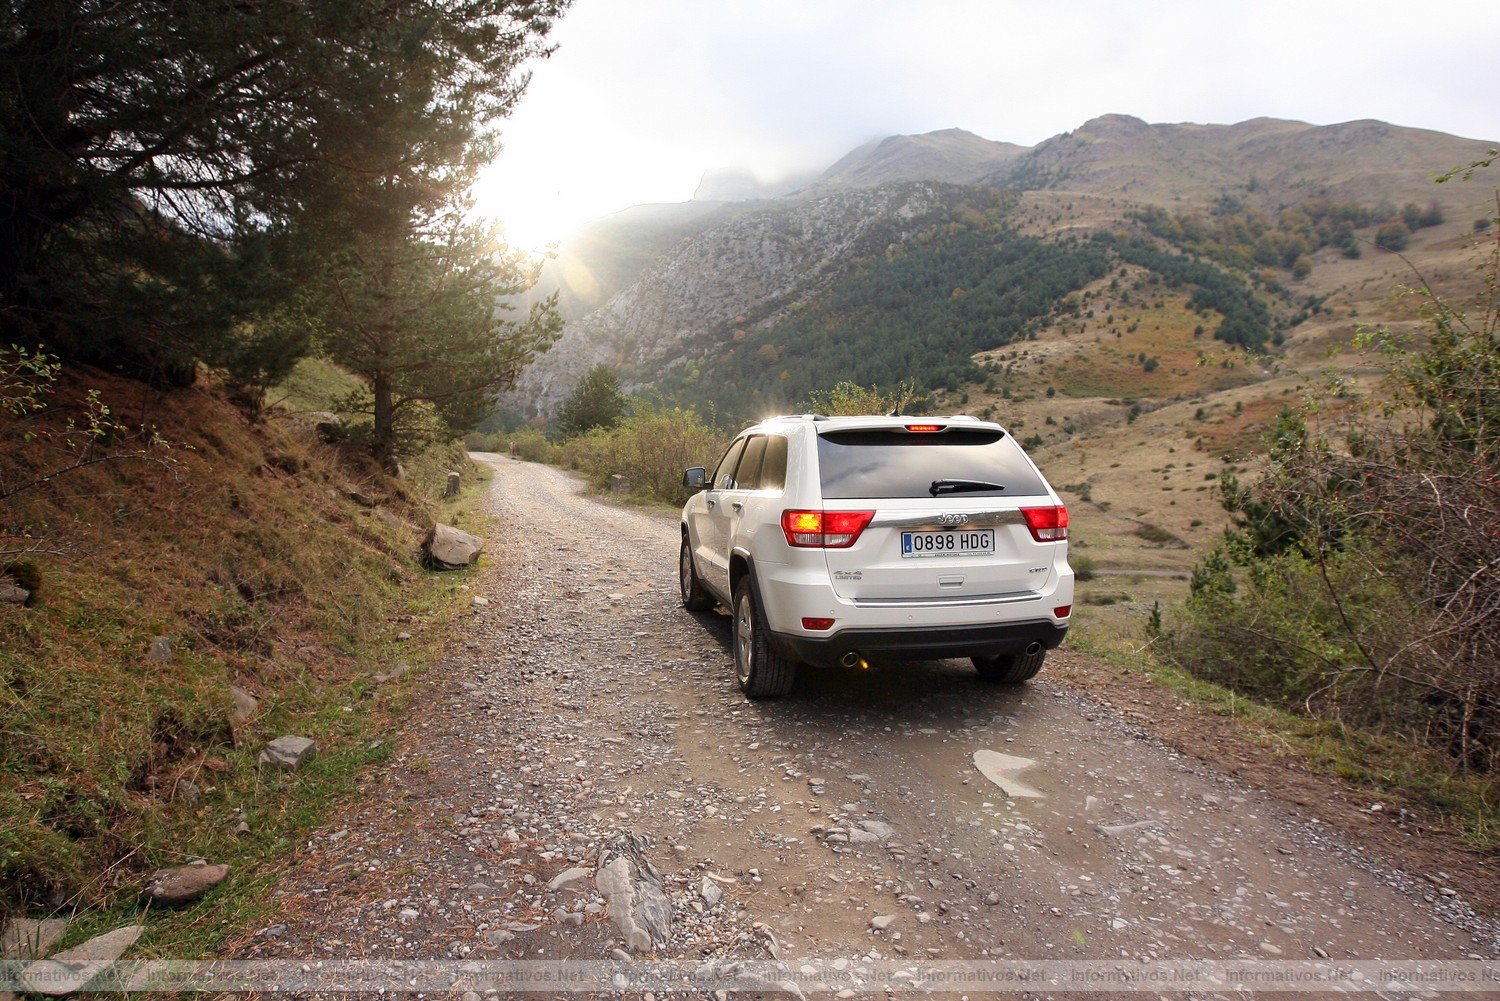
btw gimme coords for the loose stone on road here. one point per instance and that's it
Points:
(584, 777)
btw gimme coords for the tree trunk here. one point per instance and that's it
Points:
(383, 446)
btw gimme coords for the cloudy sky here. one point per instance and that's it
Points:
(642, 96)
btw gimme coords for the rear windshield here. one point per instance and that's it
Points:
(896, 463)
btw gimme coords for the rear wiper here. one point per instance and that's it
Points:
(958, 486)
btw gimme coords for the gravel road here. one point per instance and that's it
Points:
(848, 819)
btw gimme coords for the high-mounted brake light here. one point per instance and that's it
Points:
(823, 529)
(1047, 524)
(924, 428)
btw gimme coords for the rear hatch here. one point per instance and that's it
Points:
(948, 523)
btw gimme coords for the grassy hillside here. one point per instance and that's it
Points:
(1275, 163)
(234, 554)
(1139, 454)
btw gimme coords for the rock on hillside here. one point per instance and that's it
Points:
(950, 155)
(745, 271)
(607, 254)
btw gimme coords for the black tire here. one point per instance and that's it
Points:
(761, 671)
(695, 597)
(1010, 669)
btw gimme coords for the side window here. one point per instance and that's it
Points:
(747, 477)
(724, 473)
(773, 467)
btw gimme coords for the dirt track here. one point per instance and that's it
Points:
(584, 701)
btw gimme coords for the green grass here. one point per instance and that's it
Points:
(313, 386)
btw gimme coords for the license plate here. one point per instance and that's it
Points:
(971, 542)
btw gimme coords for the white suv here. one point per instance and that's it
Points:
(842, 540)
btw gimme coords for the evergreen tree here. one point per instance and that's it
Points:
(596, 403)
(416, 303)
(149, 150)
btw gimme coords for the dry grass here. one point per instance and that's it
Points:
(241, 543)
(1127, 446)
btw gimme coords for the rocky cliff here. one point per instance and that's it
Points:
(748, 270)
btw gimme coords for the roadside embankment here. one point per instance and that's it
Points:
(201, 584)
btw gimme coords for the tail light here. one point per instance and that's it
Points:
(823, 529)
(1047, 524)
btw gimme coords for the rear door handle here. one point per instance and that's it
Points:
(737, 506)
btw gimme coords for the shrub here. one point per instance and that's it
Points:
(1270, 632)
(848, 399)
(1155, 535)
(1394, 236)
(533, 446)
(651, 448)
(482, 441)
(1359, 580)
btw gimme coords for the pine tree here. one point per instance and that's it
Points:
(153, 151)
(596, 403)
(417, 303)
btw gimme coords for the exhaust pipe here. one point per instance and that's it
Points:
(850, 659)
(1032, 650)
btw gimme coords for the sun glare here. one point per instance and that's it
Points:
(534, 218)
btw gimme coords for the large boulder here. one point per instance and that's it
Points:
(447, 548)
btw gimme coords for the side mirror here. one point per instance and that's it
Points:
(695, 478)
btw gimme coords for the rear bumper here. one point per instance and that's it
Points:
(926, 643)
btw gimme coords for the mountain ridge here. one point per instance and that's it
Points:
(1123, 155)
(952, 156)
(672, 276)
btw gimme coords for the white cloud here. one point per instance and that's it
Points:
(644, 95)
